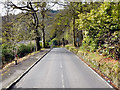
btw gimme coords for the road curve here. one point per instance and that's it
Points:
(61, 69)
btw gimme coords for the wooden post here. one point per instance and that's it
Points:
(16, 59)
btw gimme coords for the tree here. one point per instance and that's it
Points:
(60, 24)
(101, 26)
(32, 8)
(29, 9)
(44, 8)
(73, 11)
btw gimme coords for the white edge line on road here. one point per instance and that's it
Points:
(96, 73)
(93, 70)
(26, 71)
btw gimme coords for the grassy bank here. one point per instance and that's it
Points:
(109, 67)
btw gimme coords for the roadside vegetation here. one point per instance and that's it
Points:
(25, 32)
(90, 29)
(8, 55)
(93, 33)
(108, 68)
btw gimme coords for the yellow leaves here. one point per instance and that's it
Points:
(44, 4)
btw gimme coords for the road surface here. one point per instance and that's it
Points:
(61, 69)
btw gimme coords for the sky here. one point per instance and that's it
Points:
(56, 7)
(2, 9)
(16, 11)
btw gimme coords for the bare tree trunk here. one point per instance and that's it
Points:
(37, 43)
(43, 30)
(43, 38)
(74, 37)
(37, 39)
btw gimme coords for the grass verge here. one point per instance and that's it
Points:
(108, 68)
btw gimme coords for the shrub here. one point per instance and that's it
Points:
(53, 42)
(41, 44)
(74, 50)
(7, 54)
(46, 45)
(25, 49)
(67, 46)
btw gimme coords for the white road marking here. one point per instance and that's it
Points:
(96, 74)
(63, 86)
(62, 80)
(61, 66)
(20, 84)
(62, 77)
(99, 76)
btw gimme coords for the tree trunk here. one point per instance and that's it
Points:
(43, 38)
(37, 43)
(37, 39)
(43, 30)
(63, 42)
(74, 38)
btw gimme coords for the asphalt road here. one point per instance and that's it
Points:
(61, 69)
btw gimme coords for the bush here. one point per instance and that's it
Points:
(25, 49)
(67, 46)
(46, 45)
(72, 49)
(7, 54)
(41, 44)
(54, 42)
